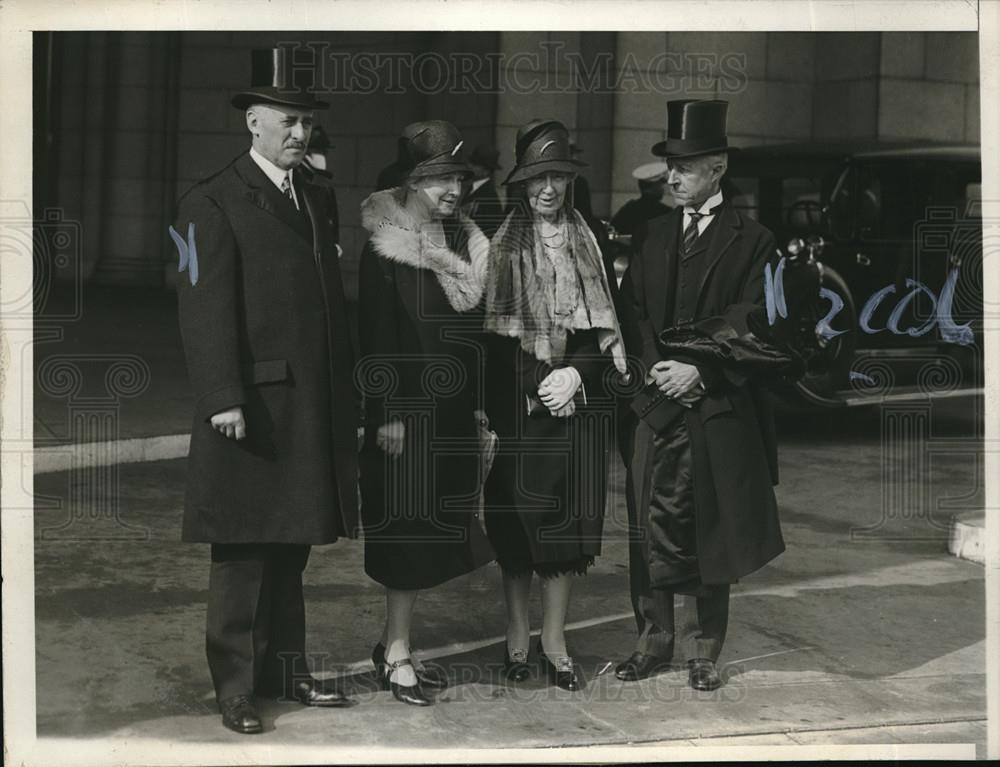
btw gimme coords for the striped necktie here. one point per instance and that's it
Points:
(691, 232)
(286, 187)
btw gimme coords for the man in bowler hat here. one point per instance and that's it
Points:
(702, 461)
(272, 467)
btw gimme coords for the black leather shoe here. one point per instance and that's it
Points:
(427, 677)
(315, 693)
(239, 714)
(639, 666)
(411, 694)
(703, 675)
(562, 675)
(515, 667)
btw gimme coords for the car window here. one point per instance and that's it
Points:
(801, 203)
(842, 204)
(886, 202)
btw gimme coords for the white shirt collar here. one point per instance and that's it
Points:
(273, 172)
(714, 201)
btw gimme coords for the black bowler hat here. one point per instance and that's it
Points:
(486, 155)
(282, 76)
(432, 148)
(693, 128)
(542, 146)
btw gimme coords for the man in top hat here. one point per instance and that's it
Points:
(483, 202)
(272, 467)
(702, 510)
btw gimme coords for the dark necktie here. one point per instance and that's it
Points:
(691, 232)
(286, 187)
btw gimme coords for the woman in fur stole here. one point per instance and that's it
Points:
(421, 283)
(554, 346)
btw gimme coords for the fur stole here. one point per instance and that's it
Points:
(539, 300)
(397, 237)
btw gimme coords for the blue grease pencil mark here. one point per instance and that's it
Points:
(940, 315)
(188, 253)
(856, 376)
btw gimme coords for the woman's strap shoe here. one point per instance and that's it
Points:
(411, 694)
(515, 664)
(562, 673)
(427, 677)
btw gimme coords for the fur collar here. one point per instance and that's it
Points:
(397, 237)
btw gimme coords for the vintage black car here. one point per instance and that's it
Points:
(897, 232)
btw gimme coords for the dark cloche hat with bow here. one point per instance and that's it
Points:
(542, 146)
(432, 148)
(281, 76)
(693, 128)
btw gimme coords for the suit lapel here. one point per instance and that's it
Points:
(266, 196)
(311, 194)
(661, 266)
(728, 228)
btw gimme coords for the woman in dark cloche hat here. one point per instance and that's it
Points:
(553, 346)
(422, 276)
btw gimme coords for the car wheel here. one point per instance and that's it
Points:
(828, 357)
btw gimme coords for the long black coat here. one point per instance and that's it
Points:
(265, 328)
(421, 365)
(551, 472)
(732, 430)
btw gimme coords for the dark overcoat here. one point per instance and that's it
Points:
(485, 207)
(265, 327)
(421, 365)
(551, 472)
(731, 428)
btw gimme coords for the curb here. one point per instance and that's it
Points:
(87, 455)
(968, 536)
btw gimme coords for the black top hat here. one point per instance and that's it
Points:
(542, 146)
(282, 76)
(486, 155)
(432, 148)
(693, 128)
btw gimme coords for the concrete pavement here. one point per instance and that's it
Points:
(864, 631)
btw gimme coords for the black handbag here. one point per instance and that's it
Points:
(655, 408)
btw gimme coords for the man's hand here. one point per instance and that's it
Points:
(230, 423)
(390, 437)
(558, 388)
(675, 379)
